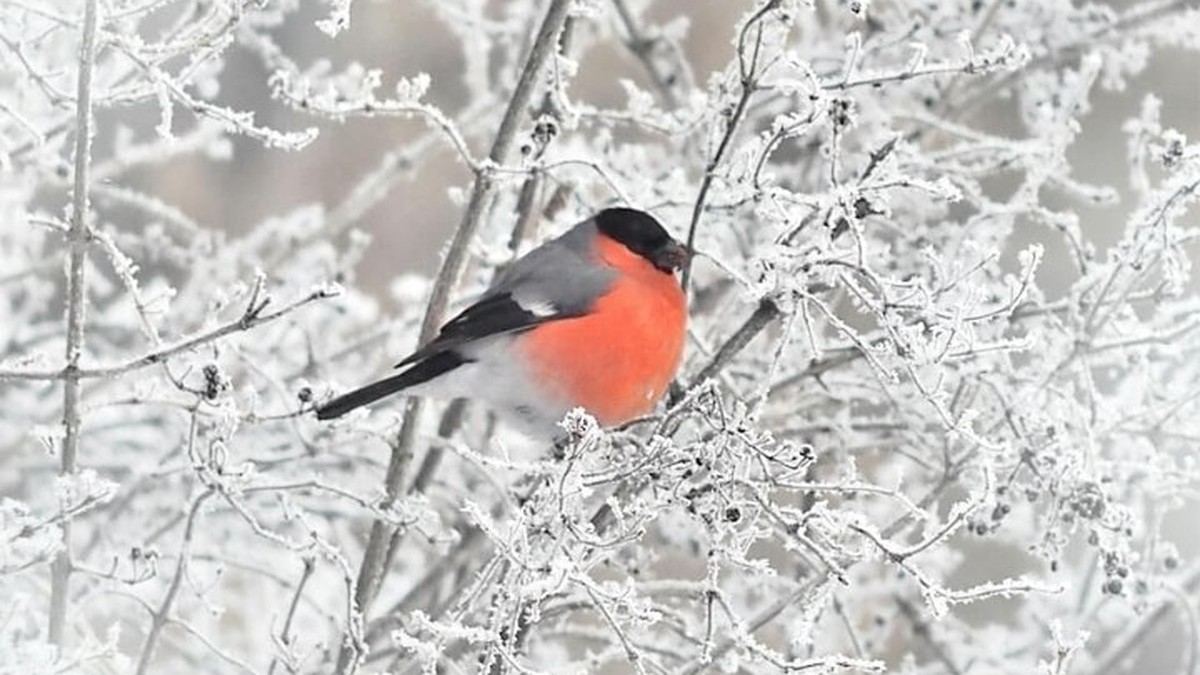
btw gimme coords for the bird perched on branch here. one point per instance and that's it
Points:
(594, 319)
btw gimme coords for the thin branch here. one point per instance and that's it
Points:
(1136, 17)
(644, 49)
(285, 637)
(749, 75)
(1121, 646)
(923, 631)
(162, 615)
(252, 317)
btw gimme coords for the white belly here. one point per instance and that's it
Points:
(501, 382)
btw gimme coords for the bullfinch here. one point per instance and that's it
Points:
(594, 319)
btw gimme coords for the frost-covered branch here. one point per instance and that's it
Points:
(162, 614)
(78, 239)
(936, 354)
(254, 315)
(544, 45)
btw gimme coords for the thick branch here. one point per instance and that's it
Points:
(371, 572)
(77, 238)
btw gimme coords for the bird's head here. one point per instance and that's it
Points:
(642, 234)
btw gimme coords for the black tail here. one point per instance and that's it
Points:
(425, 370)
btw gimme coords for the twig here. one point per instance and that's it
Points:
(162, 615)
(631, 652)
(285, 637)
(78, 237)
(643, 48)
(1133, 18)
(921, 629)
(749, 84)
(766, 616)
(252, 317)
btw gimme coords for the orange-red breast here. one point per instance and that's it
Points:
(594, 319)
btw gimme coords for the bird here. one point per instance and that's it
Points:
(595, 318)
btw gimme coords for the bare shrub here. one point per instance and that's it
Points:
(887, 413)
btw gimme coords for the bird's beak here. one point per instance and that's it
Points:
(671, 257)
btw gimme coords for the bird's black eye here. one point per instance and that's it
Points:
(640, 233)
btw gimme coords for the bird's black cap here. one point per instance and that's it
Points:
(643, 235)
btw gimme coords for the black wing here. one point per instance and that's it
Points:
(492, 315)
(424, 371)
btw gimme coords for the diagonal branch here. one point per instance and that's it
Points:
(644, 48)
(372, 569)
(252, 317)
(749, 74)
